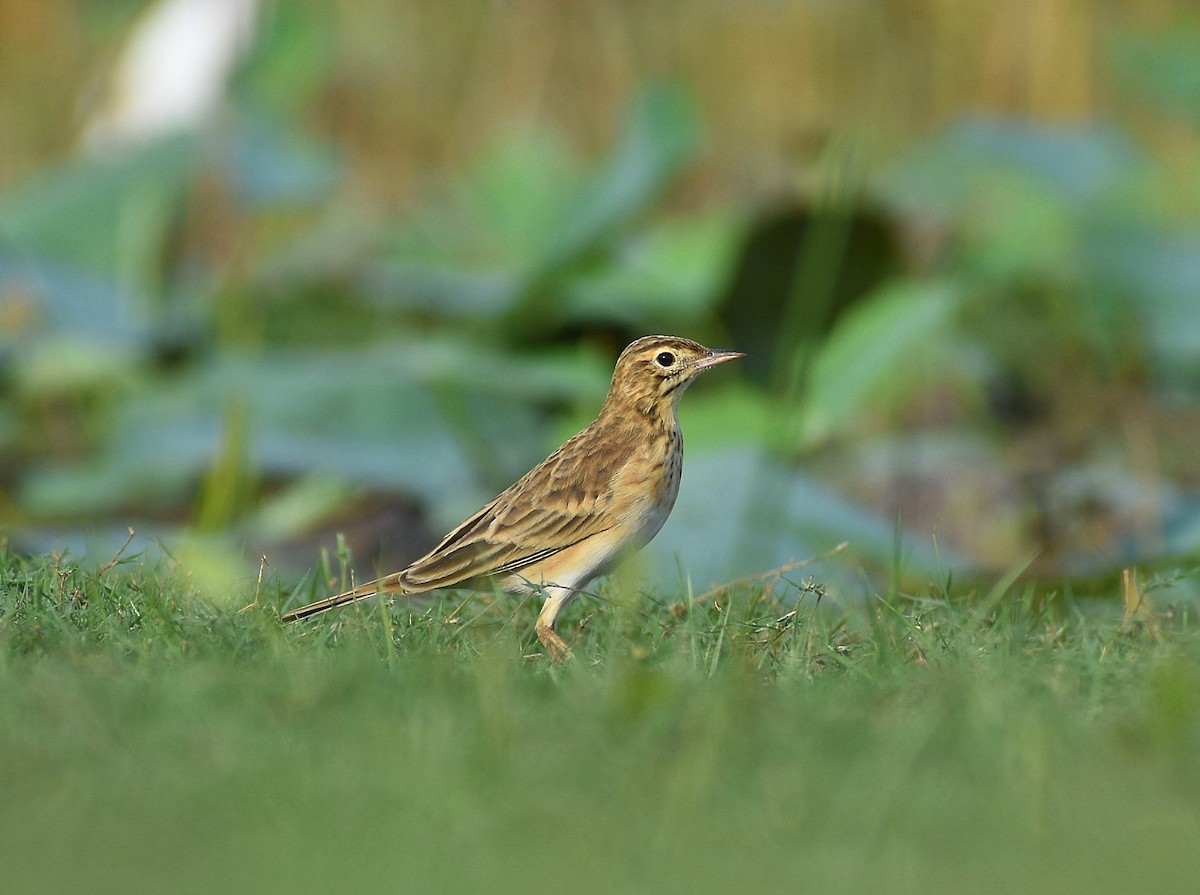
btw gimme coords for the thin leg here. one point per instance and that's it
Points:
(556, 599)
(555, 645)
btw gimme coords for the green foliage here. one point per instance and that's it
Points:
(334, 412)
(747, 738)
(110, 217)
(1062, 219)
(883, 344)
(220, 337)
(405, 372)
(1163, 68)
(225, 337)
(531, 240)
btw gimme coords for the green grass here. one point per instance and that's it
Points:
(150, 742)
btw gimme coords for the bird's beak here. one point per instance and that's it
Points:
(717, 356)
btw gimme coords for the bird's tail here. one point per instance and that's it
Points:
(390, 584)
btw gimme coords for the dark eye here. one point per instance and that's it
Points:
(664, 359)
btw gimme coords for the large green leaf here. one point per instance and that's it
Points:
(437, 419)
(519, 196)
(671, 275)
(109, 215)
(1156, 276)
(527, 220)
(981, 158)
(1163, 68)
(874, 351)
(741, 512)
(273, 166)
(65, 303)
(659, 139)
(469, 255)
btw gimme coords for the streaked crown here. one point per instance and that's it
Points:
(654, 371)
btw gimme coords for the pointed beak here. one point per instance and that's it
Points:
(717, 356)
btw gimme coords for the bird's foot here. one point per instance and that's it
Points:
(555, 645)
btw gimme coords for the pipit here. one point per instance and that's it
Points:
(597, 499)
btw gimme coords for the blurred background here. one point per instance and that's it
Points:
(274, 272)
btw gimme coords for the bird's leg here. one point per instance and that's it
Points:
(555, 645)
(556, 599)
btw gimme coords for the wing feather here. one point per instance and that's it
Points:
(562, 501)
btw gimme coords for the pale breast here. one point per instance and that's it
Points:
(651, 489)
(642, 494)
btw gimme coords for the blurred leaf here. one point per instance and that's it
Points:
(1022, 232)
(873, 351)
(63, 302)
(729, 414)
(469, 257)
(672, 274)
(1181, 525)
(768, 514)
(1157, 274)
(298, 506)
(292, 57)
(401, 416)
(979, 159)
(58, 367)
(550, 375)
(98, 542)
(273, 166)
(1163, 68)
(711, 415)
(525, 221)
(229, 481)
(98, 487)
(503, 212)
(443, 290)
(212, 568)
(521, 194)
(9, 428)
(110, 216)
(659, 139)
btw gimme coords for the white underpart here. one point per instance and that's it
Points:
(567, 581)
(173, 71)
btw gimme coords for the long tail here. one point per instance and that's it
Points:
(390, 584)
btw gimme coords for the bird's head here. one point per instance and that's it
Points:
(653, 371)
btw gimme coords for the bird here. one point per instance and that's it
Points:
(592, 503)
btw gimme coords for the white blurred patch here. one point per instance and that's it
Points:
(173, 71)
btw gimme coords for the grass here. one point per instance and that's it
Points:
(150, 742)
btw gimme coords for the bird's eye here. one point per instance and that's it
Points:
(664, 359)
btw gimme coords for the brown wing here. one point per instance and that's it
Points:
(562, 501)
